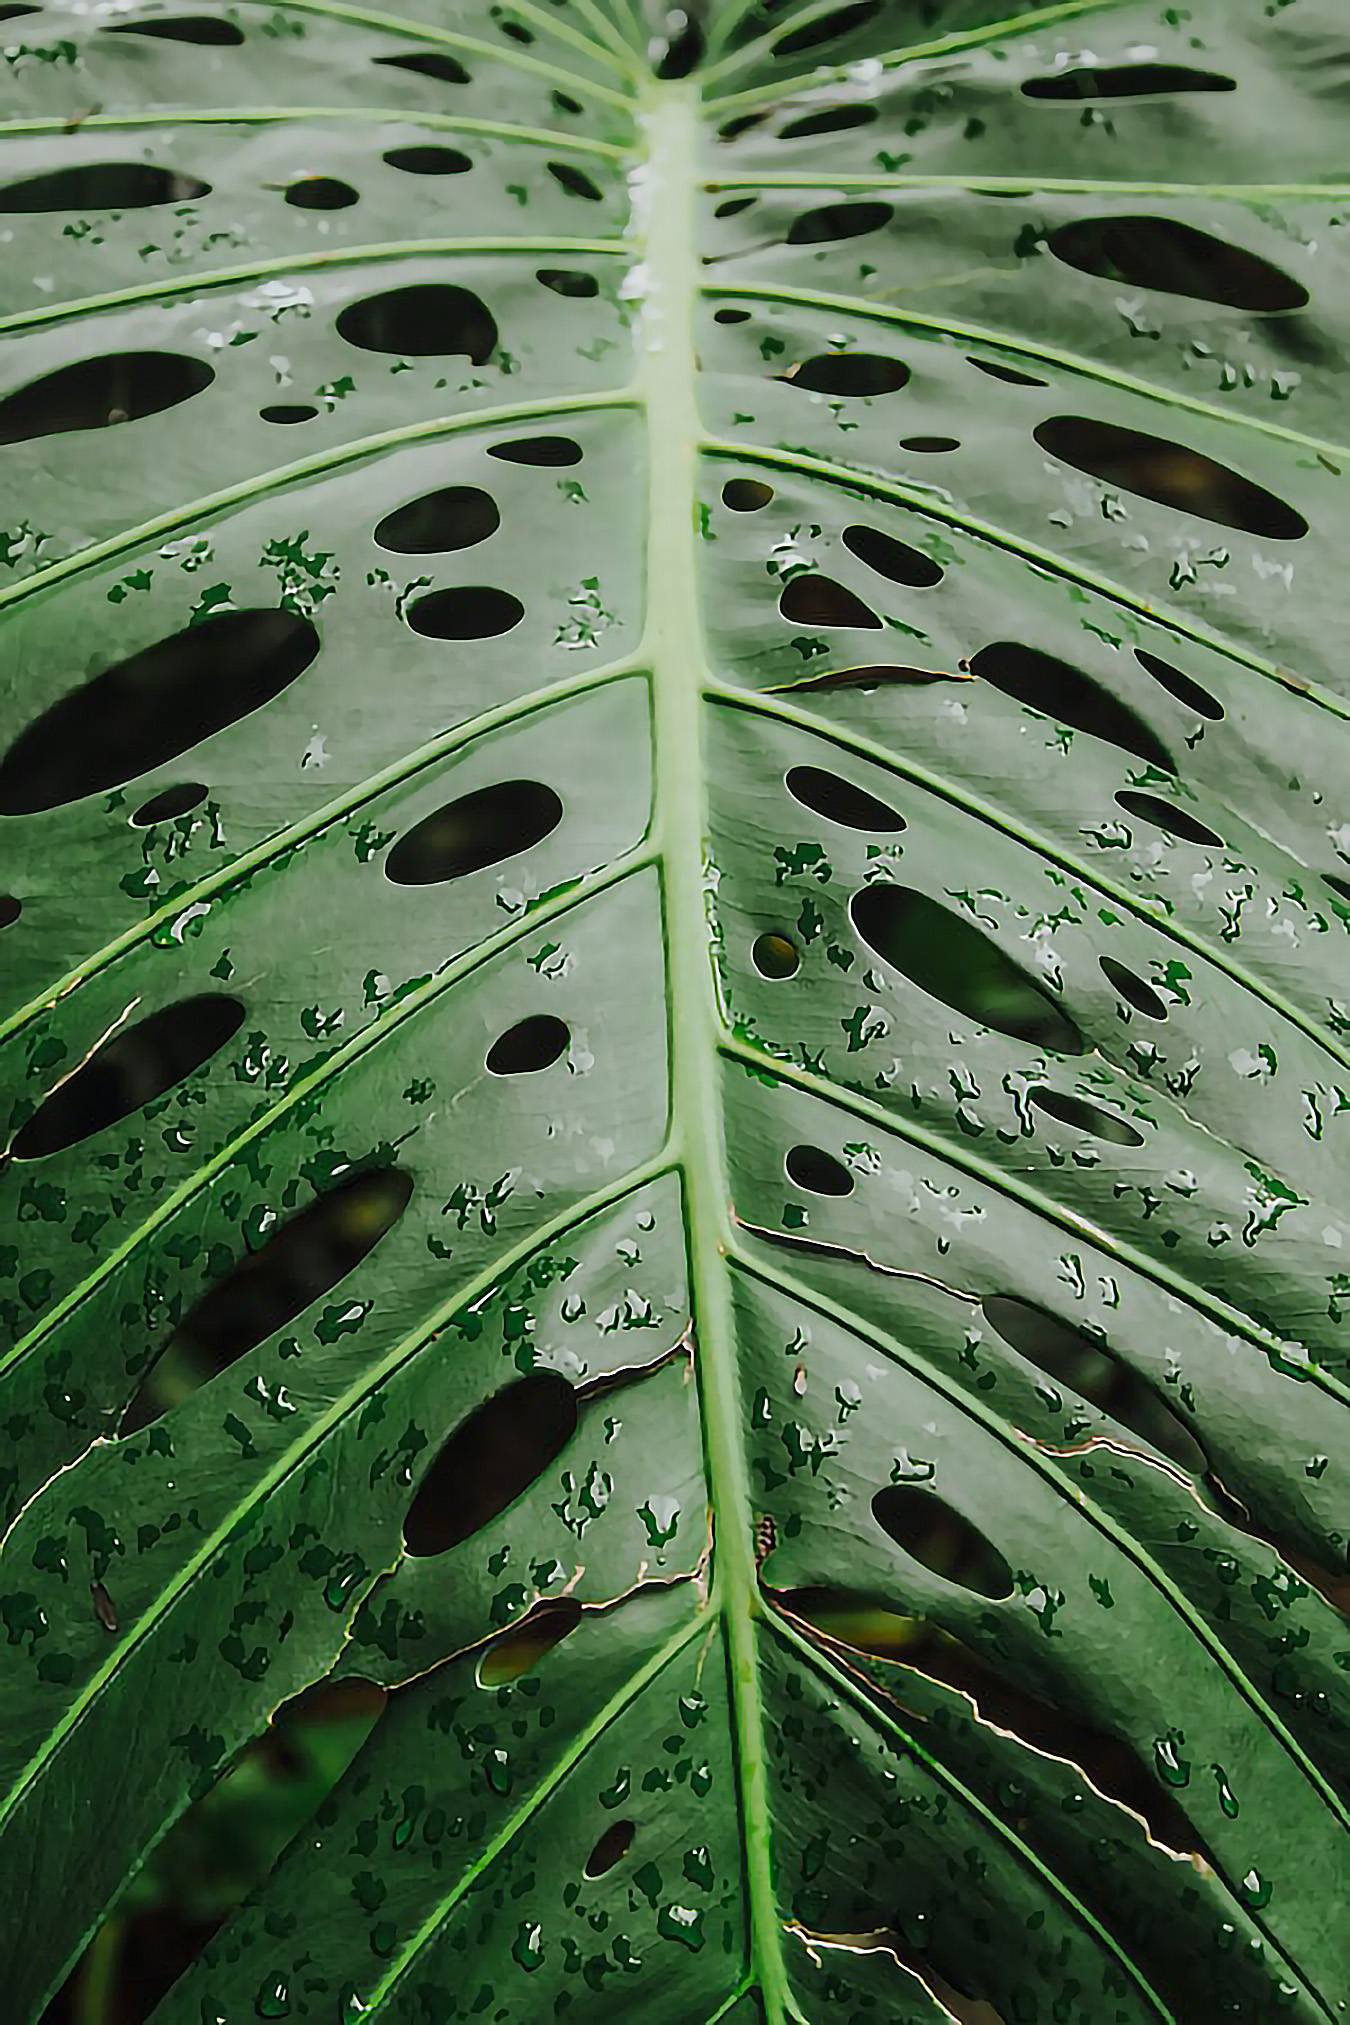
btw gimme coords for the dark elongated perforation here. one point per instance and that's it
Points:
(456, 516)
(287, 413)
(942, 1539)
(1169, 474)
(1011, 376)
(731, 207)
(576, 182)
(812, 1168)
(490, 1460)
(1094, 1371)
(839, 801)
(429, 63)
(731, 129)
(518, 1651)
(430, 319)
(549, 451)
(169, 803)
(475, 831)
(426, 160)
(102, 186)
(828, 222)
(1082, 1116)
(321, 193)
(1125, 80)
(1135, 990)
(929, 446)
(833, 120)
(529, 1047)
(1186, 691)
(611, 1848)
(775, 955)
(568, 281)
(10, 909)
(872, 676)
(146, 710)
(563, 102)
(814, 600)
(853, 375)
(1059, 690)
(208, 31)
(956, 962)
(1162, 253)
(129, 1070)
(99, 393)
(1177, 822)
(892, 559)
(471, 612)
(306, 1257)
(827, 28)
(731, 316)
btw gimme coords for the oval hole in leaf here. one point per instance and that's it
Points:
(957, 963)
(129, 1070)
(12, 9)
(568, 281)
(839, 801)
(854, 375)
(1011, 377)
(431, 319)
(429, 63)
(477, 830)
(207, 31)
(429, 161)
(10, 910)
(828, 27)
(1125, 80)
(837, 221)
(146, 710)
(731, 316)
(742, 124)
(1338, 885)
(814, 600)
(1169, 474)
(309, 1255)
(1167, 816)
(893, 559)
(746, 495)
(102, 186)
(1162, 253)
(834, 120)
(941, 1539)
(812, 1168)
(563, 102)
(519, 1650)
(1186, 692)
(1133, 989)
(287, 413)
(458, 516)
(575, 181)
(1073, 1359)
(101, 393)
(731, 207)
(611, 1848)
(168, 803)
(1077, 1113)
(490, 1460)
(1056, 689)
(550, 451)
(929, 446)
(775, 956)
(321, 193)
(529, 1046)
(469, 612)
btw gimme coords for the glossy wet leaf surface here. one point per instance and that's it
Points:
(674, 886)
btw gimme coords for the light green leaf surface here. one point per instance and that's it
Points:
(688, 1104)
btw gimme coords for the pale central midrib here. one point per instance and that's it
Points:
(674, 650)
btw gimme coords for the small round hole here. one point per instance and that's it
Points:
(811, 1168)
(746, 495)
(774, 956)
(321, 193)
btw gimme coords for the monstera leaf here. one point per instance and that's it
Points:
(676, 1005)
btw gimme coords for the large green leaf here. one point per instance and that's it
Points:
(686, 1104)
